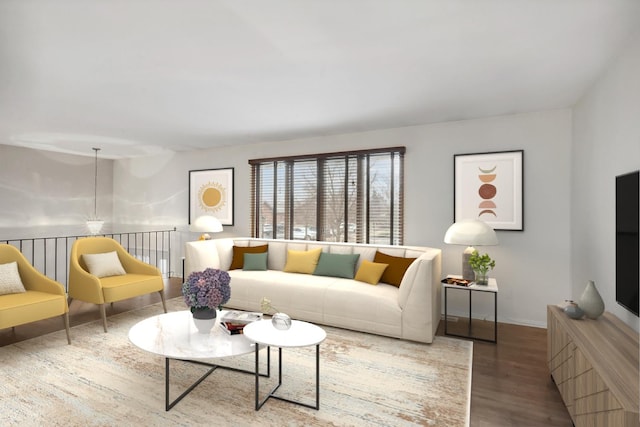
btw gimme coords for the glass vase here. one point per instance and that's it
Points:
(482, 278)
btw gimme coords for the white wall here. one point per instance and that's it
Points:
(606, 144)
(50, 194)
(532, 266)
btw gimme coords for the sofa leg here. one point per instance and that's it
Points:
(103, 312)
(164, 304)
(66, 326)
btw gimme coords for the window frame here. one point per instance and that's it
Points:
(361, 159)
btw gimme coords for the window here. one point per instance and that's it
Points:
(352, 196)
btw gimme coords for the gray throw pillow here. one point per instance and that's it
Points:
(337, 265)
(255, 262)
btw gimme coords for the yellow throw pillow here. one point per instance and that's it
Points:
(370, 272)
(302, 261)
(397, 266)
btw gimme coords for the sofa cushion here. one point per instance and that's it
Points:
(238, 254)
(370, 272)
(302, 261)
(341, 249)
(337, 265)
(10, 282)
(255, 262)
(395, 271)
(277, 255)
(104, 264)
(366, 253)
(301, 296)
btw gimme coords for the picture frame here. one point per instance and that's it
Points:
(211, 192)
(489, 187)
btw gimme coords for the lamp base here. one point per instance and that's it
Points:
(467, 271)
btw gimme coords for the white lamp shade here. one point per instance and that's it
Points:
(471, 232)
(206, 224)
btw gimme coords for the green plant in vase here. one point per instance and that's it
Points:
(481, 264)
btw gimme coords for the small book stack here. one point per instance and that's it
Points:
(233, 322)
(232, 328)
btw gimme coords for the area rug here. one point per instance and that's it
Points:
(104, 380)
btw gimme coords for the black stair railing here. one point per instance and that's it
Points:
(50, 255)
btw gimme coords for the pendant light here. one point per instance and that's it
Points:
(94, 224)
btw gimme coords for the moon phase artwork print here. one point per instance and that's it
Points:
(489, 187)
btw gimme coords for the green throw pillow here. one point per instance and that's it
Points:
(255, 261)
(337, 265)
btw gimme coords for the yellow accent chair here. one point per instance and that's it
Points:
(43, 297)
(138, 278)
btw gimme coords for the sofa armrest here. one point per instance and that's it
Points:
(419, 297)
(200, 255)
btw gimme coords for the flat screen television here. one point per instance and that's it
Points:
(628, 240)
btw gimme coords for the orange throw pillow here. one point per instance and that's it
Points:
(238, 254)
(397, 267)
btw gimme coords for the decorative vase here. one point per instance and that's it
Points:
(482, 278)
(281, 321)
(591, 302)
(204, 318)
(573, 310)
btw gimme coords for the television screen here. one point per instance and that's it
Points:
(628, 240)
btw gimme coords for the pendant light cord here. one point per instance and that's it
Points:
(95, 186)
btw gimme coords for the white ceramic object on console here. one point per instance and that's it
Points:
(591, 302)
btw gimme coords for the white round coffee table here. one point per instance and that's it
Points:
(174, 336)
(301, 334)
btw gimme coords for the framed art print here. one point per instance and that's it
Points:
(489, 187)
(211, 193)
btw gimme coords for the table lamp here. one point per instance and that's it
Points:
(470, 232)
(206, 224)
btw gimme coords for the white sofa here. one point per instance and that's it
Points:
(411, 311)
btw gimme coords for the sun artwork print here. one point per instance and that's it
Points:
(212, 197)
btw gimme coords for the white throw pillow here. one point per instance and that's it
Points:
(103, 265)
(10, 282)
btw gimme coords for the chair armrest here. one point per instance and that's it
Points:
(84, 285)
(34, 280)
(133, 265)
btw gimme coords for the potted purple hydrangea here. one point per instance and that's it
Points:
(205, 292)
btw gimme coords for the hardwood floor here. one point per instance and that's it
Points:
(511, 385)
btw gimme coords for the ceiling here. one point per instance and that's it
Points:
(141, 77)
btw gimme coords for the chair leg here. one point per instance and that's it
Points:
(69, 301)
(66, 326)
(164, 304)
(103, 312)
